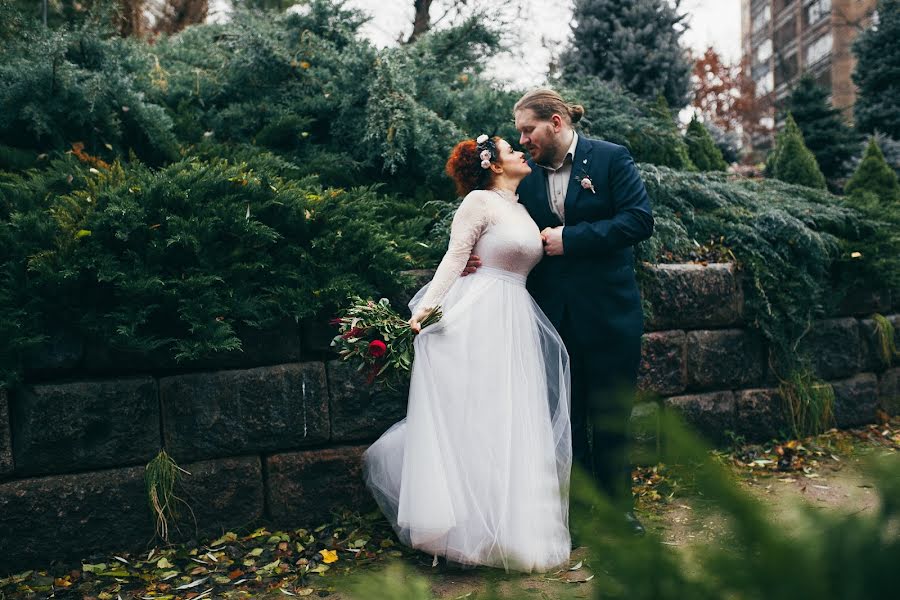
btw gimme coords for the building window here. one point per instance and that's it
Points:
(818, 10)
(819, 49)
(762, 18)
(786, 34)
(764, 51)
(765, 84)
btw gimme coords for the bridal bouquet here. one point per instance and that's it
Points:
(376, 337)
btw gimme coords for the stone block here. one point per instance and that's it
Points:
(833, 346)
(241, 412)
(79, 426)
(720, 359)
(663, 368)
(6, 457)
(688, 296)
(223, 494)
(71, 517)
(855, 400)
(889, 391)
(711, 414)
(360, 411)
(761, 414)
(302, 488)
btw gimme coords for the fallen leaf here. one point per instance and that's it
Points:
(191, 584)
(328, 556)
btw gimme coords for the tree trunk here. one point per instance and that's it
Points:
(422, 21)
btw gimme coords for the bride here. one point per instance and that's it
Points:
(478, 471)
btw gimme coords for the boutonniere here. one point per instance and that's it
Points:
(586, 183)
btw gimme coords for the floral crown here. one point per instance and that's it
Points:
(487, 148)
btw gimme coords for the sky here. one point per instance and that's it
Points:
(715, 23)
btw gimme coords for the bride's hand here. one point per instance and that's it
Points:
(416, 322)
(415, 325)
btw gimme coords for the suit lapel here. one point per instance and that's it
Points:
(540, 201)
(581, 166)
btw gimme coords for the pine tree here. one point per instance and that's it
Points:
(874, 176)
(878, 64)
(635, 43)
(664, 145)
(831, 140)
(791, 161)
(702, 148)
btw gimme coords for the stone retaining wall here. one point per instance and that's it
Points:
(275, 435)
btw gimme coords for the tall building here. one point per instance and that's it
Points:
(783, 39)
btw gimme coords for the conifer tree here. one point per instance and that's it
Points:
(665, 145)
(791, 161)
(874, 176)
(876, 75)
(635, 43)
(831, 140)
(702, 148)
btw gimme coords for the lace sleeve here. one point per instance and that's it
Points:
(468, 224)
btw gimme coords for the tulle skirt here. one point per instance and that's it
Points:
(478, 471)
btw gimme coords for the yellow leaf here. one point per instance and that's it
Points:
(228, 537)
(328, 556)
(164, 564)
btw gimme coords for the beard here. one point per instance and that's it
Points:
(551, 148)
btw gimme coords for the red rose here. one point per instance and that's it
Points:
(354, 332)
(377, 348)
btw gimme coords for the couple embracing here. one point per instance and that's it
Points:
(540, 339)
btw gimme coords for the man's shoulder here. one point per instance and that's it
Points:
(604, 146)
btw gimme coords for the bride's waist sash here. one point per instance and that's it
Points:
(498, 273)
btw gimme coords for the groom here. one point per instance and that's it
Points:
(589, 202)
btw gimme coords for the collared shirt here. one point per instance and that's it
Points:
(558, 181)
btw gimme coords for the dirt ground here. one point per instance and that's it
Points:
(828, 473)
(840, 486)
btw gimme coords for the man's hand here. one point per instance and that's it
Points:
(471, 266)
(553, 241)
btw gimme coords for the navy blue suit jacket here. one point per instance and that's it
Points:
(593, 281)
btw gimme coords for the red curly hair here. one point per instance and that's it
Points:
(464, 167)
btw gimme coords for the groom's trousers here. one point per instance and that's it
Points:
(604, 380)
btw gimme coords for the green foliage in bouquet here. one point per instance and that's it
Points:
(376, 337)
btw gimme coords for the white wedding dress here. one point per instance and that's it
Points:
(478, 471)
